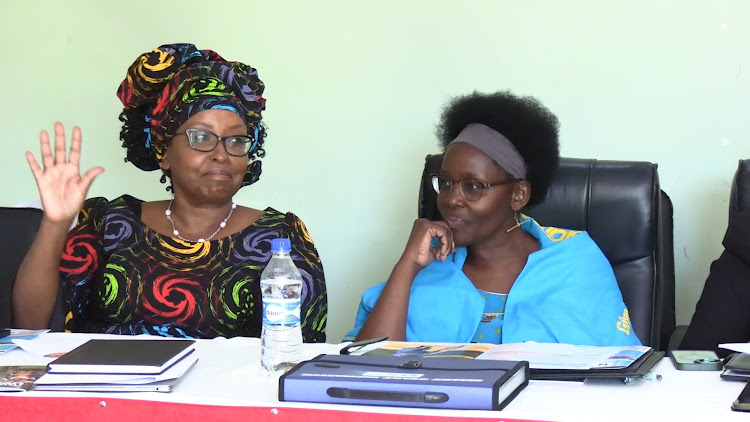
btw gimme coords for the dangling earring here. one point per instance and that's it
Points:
(163, 179)
(518, 223)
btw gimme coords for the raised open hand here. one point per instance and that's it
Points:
(61, 186)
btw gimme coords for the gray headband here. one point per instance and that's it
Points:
(494, 145)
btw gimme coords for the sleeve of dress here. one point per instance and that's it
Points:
(314, 307)
(366, 304)
(82, 262)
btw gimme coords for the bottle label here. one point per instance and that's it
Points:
(281, 311)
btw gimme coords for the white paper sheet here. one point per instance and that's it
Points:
(50, 346)
(736, 347)
(8, 342)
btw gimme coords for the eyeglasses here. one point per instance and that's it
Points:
(236, 145)
(471, 190)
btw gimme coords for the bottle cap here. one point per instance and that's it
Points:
(281, 245)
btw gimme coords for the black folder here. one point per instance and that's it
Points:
(638, 369)
(738, 362)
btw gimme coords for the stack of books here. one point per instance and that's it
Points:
(115, 365)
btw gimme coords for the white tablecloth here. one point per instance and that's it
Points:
(228, 373)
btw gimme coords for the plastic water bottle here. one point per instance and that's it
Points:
(281, 286)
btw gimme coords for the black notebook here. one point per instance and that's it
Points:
(123, 356)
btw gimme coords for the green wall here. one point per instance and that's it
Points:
(354, 90)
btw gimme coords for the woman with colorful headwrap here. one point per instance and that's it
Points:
(185, 267)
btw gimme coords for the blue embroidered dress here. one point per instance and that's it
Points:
(490, 328)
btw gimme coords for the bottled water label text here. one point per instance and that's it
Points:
(281, 311)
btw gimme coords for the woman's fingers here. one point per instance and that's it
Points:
(61, 156)
(89, 177)
(421, 247)
(35, 168)
(47, 159)
(75, 146)
(445, 236)
(60, 153)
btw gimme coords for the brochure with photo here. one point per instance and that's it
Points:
(19, 378)
(430, 350)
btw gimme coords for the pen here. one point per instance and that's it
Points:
(360, 344)
(650, 376)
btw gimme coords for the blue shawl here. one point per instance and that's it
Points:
(566, 293)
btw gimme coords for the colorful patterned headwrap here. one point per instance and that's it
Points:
(167, 86)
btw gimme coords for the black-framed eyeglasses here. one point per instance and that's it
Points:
(205, 141)
(471, 190)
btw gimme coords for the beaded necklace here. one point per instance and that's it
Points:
(223, 224)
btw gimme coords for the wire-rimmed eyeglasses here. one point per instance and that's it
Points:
(471, 189)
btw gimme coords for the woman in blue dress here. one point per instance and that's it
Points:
(486, 272)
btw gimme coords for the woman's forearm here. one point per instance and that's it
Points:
(388, 316)
(37, 281)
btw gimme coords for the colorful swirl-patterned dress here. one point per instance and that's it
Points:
(119, 276)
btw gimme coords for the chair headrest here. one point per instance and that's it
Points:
(739, 195)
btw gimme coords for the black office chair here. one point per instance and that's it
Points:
(621, 206)
(18, 227)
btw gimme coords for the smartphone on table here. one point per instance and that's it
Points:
(696, 360)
